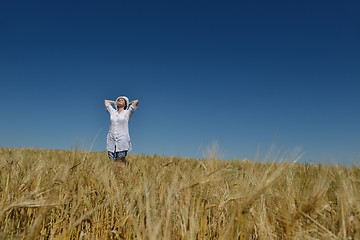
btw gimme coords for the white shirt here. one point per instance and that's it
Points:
(118, 138)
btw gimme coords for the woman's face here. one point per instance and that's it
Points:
(121, 102)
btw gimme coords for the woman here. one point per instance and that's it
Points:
(118, 139)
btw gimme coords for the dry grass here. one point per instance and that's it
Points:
(47, 194)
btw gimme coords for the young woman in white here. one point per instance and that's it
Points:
(118, 138)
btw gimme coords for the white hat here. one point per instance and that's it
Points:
(126, 102)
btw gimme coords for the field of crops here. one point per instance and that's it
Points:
(53, 194)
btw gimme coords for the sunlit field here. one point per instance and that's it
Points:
(48, 194)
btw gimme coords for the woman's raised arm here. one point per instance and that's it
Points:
(135, 102)
(109, 102)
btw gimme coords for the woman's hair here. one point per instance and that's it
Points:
(126, 100)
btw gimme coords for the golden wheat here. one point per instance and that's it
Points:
(48, 194)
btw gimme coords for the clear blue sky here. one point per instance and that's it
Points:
(246, 74)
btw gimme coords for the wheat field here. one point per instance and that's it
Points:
(55, 194)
